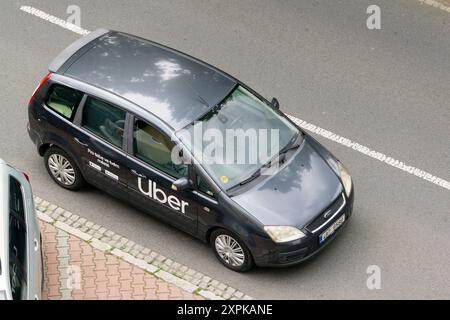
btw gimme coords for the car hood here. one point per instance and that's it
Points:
(296, 194)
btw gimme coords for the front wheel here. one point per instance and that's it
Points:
(231, 251)
(63, 169)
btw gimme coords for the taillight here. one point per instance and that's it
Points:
(26, 176)
(44, 80)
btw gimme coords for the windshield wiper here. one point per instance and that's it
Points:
(295, 144)
(291, 147)
(252, 177)
(280, 158)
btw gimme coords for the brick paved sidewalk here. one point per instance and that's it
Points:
(76, 270)
(72, 246)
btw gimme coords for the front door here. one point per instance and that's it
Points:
(151, 175)
(208, 207)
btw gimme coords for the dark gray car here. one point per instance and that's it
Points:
(120, 113)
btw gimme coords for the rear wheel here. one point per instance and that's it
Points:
(231, 251)
(63, 169)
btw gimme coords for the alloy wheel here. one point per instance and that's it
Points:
(61, 169)
(229, 250)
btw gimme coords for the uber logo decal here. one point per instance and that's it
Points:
(153, 192)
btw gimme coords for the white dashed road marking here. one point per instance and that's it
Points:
(55, 20)
(372, 153)
(436, 4)
(303, 124)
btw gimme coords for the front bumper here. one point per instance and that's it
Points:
(295, 252)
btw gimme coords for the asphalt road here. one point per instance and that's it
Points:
(387, 89)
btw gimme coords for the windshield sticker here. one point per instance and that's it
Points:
(224, 179)
(157, 194)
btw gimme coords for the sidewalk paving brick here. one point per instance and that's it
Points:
(101, 276)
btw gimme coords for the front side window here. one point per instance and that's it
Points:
(104, 120)
(203, 187)
(155, 148)
(17, 241)
(64, 100)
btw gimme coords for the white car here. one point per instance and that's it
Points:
(21, 267)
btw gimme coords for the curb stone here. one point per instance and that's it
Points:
(63, 264)
(146, 259)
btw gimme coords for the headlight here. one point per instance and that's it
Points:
(345, 178)
(283, 233)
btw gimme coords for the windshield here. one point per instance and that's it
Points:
(238, 137)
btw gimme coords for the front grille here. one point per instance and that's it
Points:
(332, 209)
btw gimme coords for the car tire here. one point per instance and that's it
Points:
(63, 169)
(223, 242)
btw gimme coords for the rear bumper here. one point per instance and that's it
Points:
(283, 255)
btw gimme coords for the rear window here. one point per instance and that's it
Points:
(64, 100)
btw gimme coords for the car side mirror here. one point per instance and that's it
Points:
(181, 184)
(275, 104)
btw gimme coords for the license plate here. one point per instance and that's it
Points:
(332, 229)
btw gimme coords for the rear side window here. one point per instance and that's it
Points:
(17, 241)
(104, 120)
(64, 100)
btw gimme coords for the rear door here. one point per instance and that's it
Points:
(152, 173)
(100, 144)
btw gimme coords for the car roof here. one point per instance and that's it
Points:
(174, 87)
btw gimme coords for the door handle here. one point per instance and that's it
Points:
(36, 245)
(134, 172)
(80, 142)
